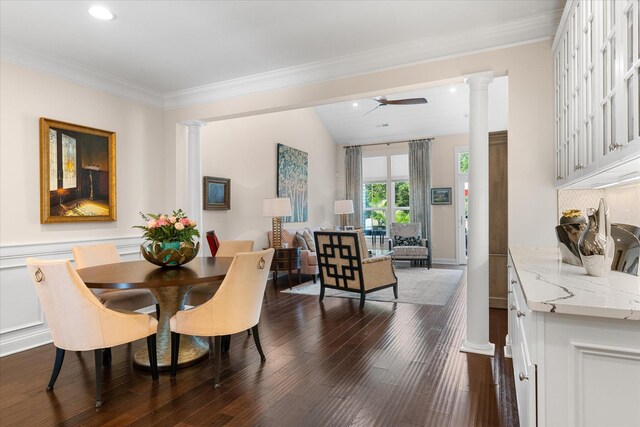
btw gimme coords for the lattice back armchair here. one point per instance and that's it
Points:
(407, 244)
(344, 265)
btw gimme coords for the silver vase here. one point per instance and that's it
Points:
(596, 244)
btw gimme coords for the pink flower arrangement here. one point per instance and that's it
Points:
(169, 228)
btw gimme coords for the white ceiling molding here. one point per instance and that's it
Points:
(79, 74)
(531, 29)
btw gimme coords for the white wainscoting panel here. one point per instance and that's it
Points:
(600, 372)
(22, 323)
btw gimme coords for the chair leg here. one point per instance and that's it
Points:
(314, 278)
(153, 356)
(395, 290)
(321, 292)
(157, 311)
(363, 296)
(256, 338)
(218, 346)
(56, 368)
(98, 361)
(175, 349)
(248, 332)
(106, 356)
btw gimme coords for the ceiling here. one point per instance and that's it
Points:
(445, 113)
(164, 53)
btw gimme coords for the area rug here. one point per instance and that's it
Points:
(415, 286)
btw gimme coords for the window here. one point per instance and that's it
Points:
(385, 192)
(463, 162)
(62, 161)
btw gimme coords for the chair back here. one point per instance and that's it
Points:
(213, 242)
(72, 311)
(406, 229)
(238, 301)
(229, 248)
(340, 259)
(92, 255)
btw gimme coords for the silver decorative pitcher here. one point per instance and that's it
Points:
(596, 244)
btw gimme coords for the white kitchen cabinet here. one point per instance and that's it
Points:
(575, 342)
(597, 96)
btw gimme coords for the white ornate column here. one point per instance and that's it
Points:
(477, 340)
(194, 175)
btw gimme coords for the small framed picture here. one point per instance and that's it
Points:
(441, 196)
(216, 193)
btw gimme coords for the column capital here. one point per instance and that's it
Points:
(193, 123)
(479, 80)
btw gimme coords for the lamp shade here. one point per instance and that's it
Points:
(276, 207)
(343, 207)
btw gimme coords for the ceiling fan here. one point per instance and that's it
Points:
(382, 100)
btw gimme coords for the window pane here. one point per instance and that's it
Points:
(463, 162)
(630, 113)
(68, 162)
(375, 195)
(400, 166)
(53, 160)
(375, 220)
(402, 194)
(402, 216)
(374, 168)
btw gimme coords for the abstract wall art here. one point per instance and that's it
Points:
(293, 181)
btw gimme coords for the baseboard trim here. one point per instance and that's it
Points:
(448, 261)
(24, 342)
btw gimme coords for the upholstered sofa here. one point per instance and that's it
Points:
(309, 261)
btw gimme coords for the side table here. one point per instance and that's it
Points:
(286, 259)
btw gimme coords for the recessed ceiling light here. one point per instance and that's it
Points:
(452, 89)
(355, 104)
(101, 12)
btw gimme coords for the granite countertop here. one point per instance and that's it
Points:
(550, 285)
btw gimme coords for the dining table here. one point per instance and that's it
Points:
(171, 286)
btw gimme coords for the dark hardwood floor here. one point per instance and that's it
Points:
(328, 364)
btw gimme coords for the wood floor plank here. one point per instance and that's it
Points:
(327, 363)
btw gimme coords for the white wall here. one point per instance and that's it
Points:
(25, 96)
(244, 150)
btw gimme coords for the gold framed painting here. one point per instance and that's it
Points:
(77, 173)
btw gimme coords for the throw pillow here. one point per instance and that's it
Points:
(300, 242)
(406, 241)
(309, 239)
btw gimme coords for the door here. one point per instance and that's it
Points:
(462, 203)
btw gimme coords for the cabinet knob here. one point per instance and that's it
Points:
(519, 313)
(509, 292)
(512, 307)
(514, 281)
(522, 376)
(614, 146)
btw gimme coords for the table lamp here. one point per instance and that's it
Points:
(343, 208)
(276, 209)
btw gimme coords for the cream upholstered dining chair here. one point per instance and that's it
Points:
(107, 253)
(79, 321)
(200, 294)
(236, 306)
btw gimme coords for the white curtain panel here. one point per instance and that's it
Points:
(420, 188)
(353, 174)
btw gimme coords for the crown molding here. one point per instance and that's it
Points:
(528, 30)
(85, 76)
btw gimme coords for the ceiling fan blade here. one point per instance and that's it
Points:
(374, 108)
(408, 101)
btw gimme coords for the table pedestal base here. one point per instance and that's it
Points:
(192, 349)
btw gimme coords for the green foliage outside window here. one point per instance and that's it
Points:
(463, 162)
